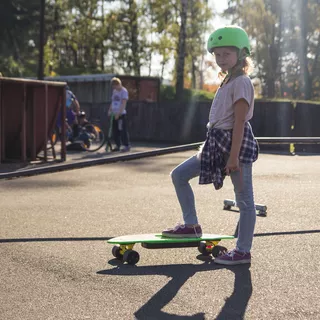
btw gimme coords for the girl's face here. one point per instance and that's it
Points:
(116, 86)
(226, 57)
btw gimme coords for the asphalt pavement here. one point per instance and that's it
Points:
(56, 264)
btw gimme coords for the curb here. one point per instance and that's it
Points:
(87, 163)
(145, 154)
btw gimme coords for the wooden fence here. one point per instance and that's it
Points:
(179, 123)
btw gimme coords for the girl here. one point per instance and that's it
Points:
(230, 147)
(118, 109)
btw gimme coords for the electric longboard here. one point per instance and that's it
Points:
(123, 249)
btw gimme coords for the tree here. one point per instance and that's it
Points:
(164, 29)
(197, 28)
(286, 43)
(181, 49)
(19, 22)
(308, 45)
(262, 21)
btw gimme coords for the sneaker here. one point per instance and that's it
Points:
(183, 231)
(116, 149)
(233, 257)
(125, 149)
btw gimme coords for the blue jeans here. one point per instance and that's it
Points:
(242, 182)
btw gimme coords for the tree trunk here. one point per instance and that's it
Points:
(181, 50)
(162, 71)
(272, 73)
(102, 46)
(315, 65)
(193, 74)
(201, 81)
(41, 41)
(271, 88)
(306, 79)
(134, 37)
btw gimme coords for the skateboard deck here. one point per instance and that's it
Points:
(207, 244)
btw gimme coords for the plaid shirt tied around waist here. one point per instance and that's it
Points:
(216, 150)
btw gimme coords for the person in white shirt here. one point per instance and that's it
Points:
(118, 110)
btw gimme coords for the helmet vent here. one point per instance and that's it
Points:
(220, 38)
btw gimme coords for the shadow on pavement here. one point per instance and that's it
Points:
(15, 166)
(36, 183)
(13, 240)
(283, 233)
(145, 166)
(234, 308)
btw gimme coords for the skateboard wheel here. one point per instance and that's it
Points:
(203, 249)
(131, 257)
(262, 213)
(116, 252)
(218, 250)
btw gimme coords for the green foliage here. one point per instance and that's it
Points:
(286, 41)
(123, 36)
(168, 93)
(19, 22)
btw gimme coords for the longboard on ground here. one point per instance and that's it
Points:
(261, 208)
(123, 249)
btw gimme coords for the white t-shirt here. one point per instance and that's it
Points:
(117, 97)
(221, 114)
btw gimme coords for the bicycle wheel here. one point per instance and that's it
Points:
(93, 137)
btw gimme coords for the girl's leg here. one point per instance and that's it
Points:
(116, 133)
(180, 177)
(242, 182)
(124, 132)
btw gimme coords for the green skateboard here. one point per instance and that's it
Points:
(123, 249)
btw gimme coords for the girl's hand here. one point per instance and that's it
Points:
(232, 165)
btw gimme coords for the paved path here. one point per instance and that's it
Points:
(56, 264)
(74, 157)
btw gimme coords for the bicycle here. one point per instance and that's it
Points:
(90, 136)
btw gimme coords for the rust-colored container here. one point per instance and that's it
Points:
(28, 112)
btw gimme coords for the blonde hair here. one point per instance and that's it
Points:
(115, 81)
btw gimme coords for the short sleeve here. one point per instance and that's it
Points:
(243, 89)
(124, 95)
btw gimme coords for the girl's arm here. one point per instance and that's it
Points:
(77, 106)
(241, 108)
(123, 106)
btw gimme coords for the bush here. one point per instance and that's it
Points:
(168, 93)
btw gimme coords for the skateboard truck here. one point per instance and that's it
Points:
(126, 254)
(228, 204)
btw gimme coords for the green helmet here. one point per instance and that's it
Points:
(230, 36)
